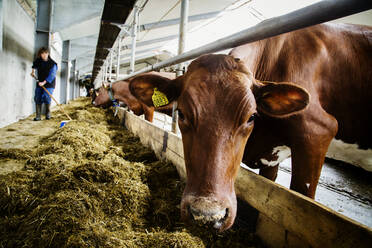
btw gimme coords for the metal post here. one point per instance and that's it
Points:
(320, 12)
(51, 14)
(118, 62)
(134, 39)
(43, 23)
(77, 83)
(65, 73)
(72, 80)
(1, 24)
(181, 49)
(107, 70)
(110, 72)
(102, 75)
(104, 72)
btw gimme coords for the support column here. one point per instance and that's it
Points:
(65, 72)
(118, 61)
(72, 79)
(134, 39)
(181, 49)
(77, 84)
(43, 23)
(1, 24)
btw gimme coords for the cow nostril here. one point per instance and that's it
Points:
(215, 217)
(218, 224)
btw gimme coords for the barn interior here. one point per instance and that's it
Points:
(109, 178)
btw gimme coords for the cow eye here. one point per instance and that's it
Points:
(181, 117)
(253, 116)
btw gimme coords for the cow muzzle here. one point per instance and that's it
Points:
(208, 211)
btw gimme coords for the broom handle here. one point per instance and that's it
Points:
(59, 105)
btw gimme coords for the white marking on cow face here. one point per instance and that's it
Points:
(351, 154)
(308, 185)
(282, 152)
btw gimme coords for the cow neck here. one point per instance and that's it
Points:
(111, 95)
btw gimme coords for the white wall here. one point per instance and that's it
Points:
(16, 84)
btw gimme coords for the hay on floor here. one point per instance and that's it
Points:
(92, 184)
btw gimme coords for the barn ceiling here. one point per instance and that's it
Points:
(152, 36)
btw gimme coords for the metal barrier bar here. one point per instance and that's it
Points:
(118, 60)
(134, 38)
(320, 12)
(110, 67)
(181, 49)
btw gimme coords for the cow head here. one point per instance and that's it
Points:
(102, 98)
(218, 100)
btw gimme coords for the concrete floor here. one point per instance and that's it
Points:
(342, 187)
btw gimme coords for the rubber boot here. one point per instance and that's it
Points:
(38, 112)
(47, 111)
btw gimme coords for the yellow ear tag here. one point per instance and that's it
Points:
(159, 98)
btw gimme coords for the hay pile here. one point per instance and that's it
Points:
(92, 184)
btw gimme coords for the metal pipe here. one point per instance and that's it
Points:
(140, 59)
(118, 59)
(175, 21)
(1, 24)
(320, 12)
(150, 42)
(110, 72)
(51, 14)
(152, 49)
(183, 31)
(134, 38)
(181, 49)
(105, 72)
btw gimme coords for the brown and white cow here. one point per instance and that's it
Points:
(120, 93)
(289, 94)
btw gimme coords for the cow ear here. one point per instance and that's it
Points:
(155, 90)
(280, 100)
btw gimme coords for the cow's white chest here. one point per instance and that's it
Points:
(282, 152)
(350, 153)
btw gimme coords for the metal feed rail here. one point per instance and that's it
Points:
(320, 12)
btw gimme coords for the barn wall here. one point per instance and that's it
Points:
(16, 57)
(16, 85)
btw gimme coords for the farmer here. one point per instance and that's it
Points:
(46, 75)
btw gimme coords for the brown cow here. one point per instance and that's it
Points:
(297, 90)
(120, 93)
